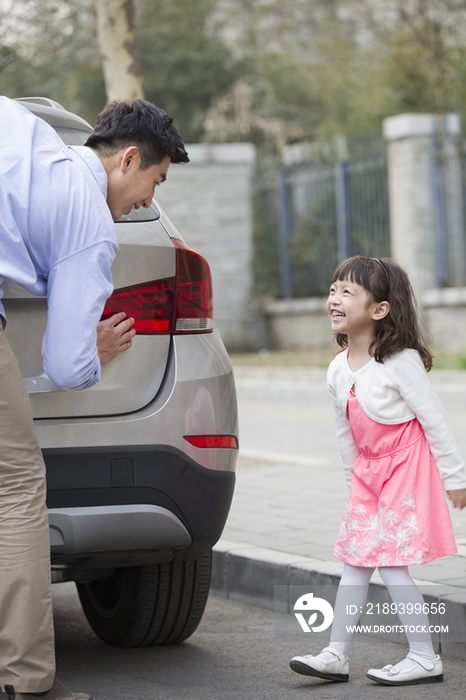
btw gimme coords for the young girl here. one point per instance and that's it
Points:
(394, 438)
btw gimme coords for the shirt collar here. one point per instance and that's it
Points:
(95, 165)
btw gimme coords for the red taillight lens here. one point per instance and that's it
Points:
(194, 306)
(213, 441)
(150, 304)
(181, 304)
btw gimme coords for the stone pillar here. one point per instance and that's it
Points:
(410, 138)
(210, 202)
(453, 179)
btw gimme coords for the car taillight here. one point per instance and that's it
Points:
(213, 441)
(194, 305)
(180, 304)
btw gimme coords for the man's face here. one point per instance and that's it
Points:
(129, 186)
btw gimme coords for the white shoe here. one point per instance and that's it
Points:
(421, 670)
(330, 664)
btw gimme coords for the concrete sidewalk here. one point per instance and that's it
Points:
(288, 507)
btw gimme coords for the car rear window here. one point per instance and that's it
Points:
(150, 214)
(78, 137)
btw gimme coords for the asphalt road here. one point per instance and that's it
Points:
(286, 422)
(239, 652)
(288, 413)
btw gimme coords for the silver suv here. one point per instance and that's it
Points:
(141, 467)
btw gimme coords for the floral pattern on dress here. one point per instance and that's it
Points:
(389, 537)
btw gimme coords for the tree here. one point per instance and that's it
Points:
(302, 64)
(52, 51)
(52, 48)
(326, 68)
(186, 60)
(119, 49)
(425, 52)
(291, 69)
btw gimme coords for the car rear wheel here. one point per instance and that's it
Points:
(148, 605)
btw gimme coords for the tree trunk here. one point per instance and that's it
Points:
(119, 49)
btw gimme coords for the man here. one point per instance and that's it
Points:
(57, 239)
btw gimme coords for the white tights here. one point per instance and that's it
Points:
(352, 594)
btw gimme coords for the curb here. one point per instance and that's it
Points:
(249, 574)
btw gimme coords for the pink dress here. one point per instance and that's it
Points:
(397, 513)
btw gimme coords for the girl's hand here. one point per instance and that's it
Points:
(458, 498)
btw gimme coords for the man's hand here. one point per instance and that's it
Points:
(458, 498)
(114, 336)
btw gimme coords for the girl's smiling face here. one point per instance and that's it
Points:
(351, 309)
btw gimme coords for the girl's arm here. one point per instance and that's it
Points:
(348, 450)
(458, 498)
(416, 389)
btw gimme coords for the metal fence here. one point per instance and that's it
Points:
(330, 212)
(319, 210)
(327, 209)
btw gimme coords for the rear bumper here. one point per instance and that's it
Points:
(100, 528)
(125, 506)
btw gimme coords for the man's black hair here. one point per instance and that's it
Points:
(138, 123)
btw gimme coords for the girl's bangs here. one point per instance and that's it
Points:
(355, 270)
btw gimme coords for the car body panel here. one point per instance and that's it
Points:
(197, 396)
(54, 114)
(130, 381)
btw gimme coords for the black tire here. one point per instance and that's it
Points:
(148, 605)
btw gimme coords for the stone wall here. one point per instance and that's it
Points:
(298, 324)
(444, 311)
(303, 324)
(209, 201)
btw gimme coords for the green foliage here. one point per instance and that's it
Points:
(54, 53)
(185, 61)
(12, 73)
(327, 68)
(313, 247)
(449, 360)
(313, 70)
(265, 230)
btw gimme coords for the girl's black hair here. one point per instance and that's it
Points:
(386, 280)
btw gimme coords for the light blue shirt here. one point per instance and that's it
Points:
(57, 238)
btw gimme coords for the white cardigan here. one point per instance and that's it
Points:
(394, 392)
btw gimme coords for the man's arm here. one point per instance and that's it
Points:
(77, 289)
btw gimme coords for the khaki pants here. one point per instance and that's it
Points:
(27, 656)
